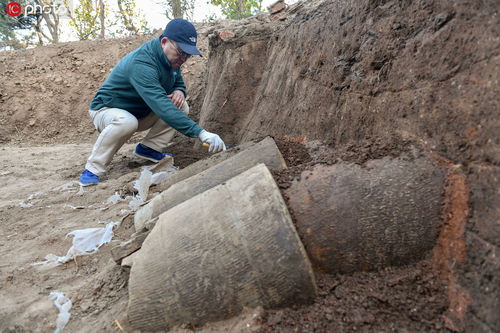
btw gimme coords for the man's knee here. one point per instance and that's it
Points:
(185, 108)
(127, 125)
(122, 121)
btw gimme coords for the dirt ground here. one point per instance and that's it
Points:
(43, 180)
(392, 300)
(408, 298)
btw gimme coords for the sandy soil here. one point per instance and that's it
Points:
(41, 202)
(28, 234)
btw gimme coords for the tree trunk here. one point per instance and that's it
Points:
(52, 22)
(38, 29)
(101, 18)
(177, 11)
(241, 9)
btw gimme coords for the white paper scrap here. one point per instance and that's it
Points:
(64, 304)
(114, 199)
(85, 242)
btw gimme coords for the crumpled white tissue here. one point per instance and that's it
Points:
(143, 183)
(146, 179)
(85, 242)
(142, 186)
(64, 304)
(158, 177)
(29, 201)
(114, 199)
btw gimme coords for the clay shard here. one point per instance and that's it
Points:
(265, 152)
(352, 218)
(230, 247)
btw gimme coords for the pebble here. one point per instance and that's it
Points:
(275, 319)
(337, 292)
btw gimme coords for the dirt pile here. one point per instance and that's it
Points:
(45, 92)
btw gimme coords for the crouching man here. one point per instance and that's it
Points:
(145, 90)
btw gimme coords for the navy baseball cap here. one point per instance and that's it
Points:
(184, 34)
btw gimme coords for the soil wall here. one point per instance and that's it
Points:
(345, 72)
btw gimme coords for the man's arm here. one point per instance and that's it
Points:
(179, 83)
(178, 95)
(145, 80)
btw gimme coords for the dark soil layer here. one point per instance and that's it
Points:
(406, 299)
(300, 158)
(186, 151)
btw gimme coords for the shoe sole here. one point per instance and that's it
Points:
(89, 184)
(146, 158)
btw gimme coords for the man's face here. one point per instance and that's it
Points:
(173, 52)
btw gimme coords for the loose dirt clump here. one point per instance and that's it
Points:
(302, 156)
(184, 152)
(405, 299)
(294, 153)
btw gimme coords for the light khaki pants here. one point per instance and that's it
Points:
(116, 126)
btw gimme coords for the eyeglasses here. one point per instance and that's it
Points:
(180, 53)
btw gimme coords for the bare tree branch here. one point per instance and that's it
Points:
(51, 19)
(127, 21)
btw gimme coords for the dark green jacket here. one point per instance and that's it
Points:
(140, 83)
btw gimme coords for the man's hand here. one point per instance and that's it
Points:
(177, 98)
(216, 143)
